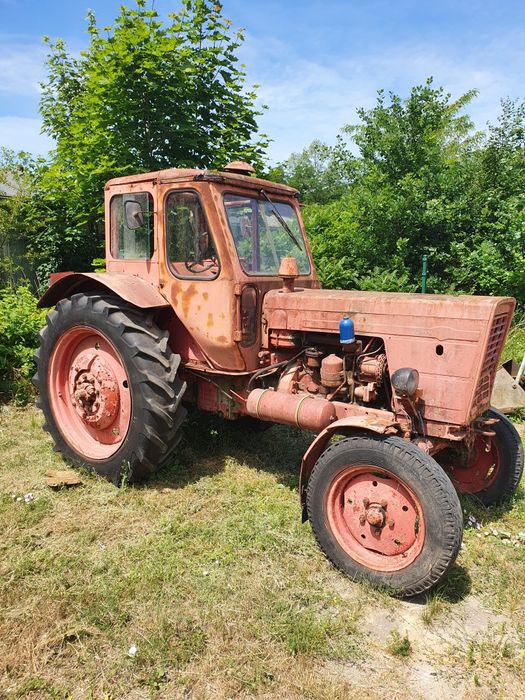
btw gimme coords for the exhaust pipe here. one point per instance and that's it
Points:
(302, 411)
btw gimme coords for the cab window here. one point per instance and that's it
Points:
(190, 247)
(131, 217)
(265, 232)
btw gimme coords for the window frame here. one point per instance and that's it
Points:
(189, 276)
(153, 247)
(275, 200)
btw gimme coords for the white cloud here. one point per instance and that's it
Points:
(23, 134)
(21, 68)
(311, 99)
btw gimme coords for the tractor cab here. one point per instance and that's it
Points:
(212, 244)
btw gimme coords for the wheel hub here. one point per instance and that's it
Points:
(375, 517)
(94, 390)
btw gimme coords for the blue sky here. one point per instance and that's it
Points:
(315, 62)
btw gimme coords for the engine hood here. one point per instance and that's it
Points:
(453, 341)
(377, 313)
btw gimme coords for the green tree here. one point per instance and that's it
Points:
(408, 193)
(412, 177)
(17, 175)
(143, 96)
(493, 254)
(321, 173)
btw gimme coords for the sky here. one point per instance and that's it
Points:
(315, 62)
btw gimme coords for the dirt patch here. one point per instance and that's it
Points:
(441, 663)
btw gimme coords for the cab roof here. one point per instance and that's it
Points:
(197, 175)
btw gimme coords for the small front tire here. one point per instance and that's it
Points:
(384, 511)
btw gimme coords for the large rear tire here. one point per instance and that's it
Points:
(384, 511)
(108, 387)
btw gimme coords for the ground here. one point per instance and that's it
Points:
(205, 584)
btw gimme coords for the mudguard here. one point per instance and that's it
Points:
(345, 425)
(132, 289)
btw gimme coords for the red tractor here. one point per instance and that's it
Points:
(211, 299)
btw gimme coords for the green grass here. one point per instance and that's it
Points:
(209, 572)
(399, 645)
(515, 345)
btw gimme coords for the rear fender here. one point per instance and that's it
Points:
(132, 289)
(344, 426)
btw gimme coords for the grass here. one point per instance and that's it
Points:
(399, 645)
(209, 573)
(515, 344)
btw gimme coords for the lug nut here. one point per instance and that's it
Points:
(366, 502)
(390, 522)
(362, 518)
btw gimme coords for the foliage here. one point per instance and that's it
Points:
(423, 183)
(399, 645)
(20, 322)
(515, 345)
(16, 177)
(144, 95)
(321, 173)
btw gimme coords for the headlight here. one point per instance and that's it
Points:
(405, 381)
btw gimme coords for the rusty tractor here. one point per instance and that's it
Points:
(211, 299)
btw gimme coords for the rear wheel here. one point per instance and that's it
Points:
(108, 386)
(384, 511)
(493, 469)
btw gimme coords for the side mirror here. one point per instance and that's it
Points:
(134, 215)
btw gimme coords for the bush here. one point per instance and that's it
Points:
(20, 322)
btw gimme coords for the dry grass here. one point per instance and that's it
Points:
(209, 572)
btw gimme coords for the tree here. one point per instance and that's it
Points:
(143, 96)
(321, 173)
(412, 177)
(492, 255)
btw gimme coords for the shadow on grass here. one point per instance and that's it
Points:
(208, 441)
(487, 514)
(454, 588)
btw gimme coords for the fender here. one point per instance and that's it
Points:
(345, 425)
(128, 287)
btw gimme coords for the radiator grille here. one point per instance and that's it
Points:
(488, 370)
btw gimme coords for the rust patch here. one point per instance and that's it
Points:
(205, 296)
(210, 320)
(187, 296)
(222, 339)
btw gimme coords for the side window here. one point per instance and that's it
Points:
(191, 252)
(131, 217)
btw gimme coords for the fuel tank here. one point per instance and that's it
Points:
(453, 341)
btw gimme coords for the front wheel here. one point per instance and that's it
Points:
(384, 511)
(493, 468)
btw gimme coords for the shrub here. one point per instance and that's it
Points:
(20, 322)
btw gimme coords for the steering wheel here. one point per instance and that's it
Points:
(205, 258)
(199, 266)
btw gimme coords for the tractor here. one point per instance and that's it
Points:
(210, 299)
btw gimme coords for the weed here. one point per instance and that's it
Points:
(125, 474)
(399, 645)
(434, 607)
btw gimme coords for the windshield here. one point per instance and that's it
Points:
(260, 237)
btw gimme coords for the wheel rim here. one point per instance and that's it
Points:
(89, 392)
(375, 517)
(482, 469)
